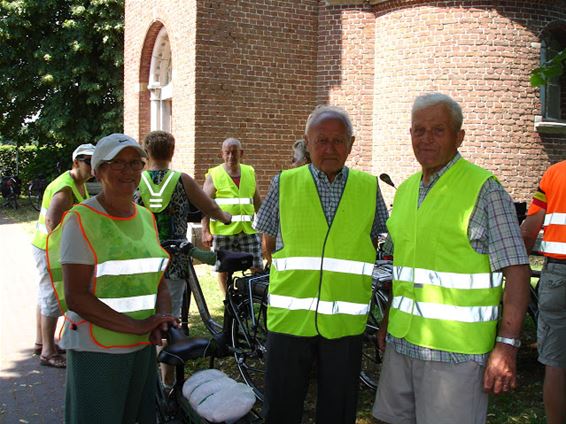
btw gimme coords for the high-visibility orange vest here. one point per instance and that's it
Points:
(553, 184)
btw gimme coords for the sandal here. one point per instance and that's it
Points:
(38, 347)
(55, 361)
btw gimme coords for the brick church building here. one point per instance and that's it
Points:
(209, 69)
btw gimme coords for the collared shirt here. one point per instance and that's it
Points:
(329, 193)
(493, 230)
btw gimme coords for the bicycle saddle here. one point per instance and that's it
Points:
(182, 348)
(233, 261)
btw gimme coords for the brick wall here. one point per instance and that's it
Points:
(255, 69)
(345, 73)
(479, 52)
(255, 76)
(144, 19)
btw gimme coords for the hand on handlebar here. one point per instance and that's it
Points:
(159, 324)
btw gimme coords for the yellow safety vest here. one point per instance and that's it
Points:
(58, 184)
(320, 281)
(129, 264)
(237, 201)
(445, 296)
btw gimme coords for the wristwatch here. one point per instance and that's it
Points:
(513, 342)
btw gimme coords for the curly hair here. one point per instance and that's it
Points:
(159, 145)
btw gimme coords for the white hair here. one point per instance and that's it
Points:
(323, 112)
(432, 99)
(231, 141)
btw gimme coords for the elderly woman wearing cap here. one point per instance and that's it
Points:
(59, 196)
(112, 266)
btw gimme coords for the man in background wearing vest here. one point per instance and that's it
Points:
(321, 221)
(232, 185)
(548, 210)
(455, 233)
(59, 196)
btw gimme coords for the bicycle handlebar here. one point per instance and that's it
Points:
(183, 246)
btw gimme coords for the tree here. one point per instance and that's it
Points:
(551, 69)
(61, 69)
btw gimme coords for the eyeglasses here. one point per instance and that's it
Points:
(335, 142)
(120, 165)
(85, 160)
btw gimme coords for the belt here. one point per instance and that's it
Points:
(550, 260)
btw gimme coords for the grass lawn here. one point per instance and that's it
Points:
(523, 406)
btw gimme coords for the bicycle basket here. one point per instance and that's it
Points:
(257, 283)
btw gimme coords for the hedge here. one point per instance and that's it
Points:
(34, 162)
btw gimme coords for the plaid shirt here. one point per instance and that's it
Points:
(493, 230)
(267, 218)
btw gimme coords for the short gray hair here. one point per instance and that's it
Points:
(432, 99)
(335, 112)
(232, 141)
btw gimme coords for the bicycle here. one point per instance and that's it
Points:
(371, 355)
(36, 188)
(10, 187)
(242, 334)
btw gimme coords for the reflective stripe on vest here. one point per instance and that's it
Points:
(314, 304)
(443, 311)
(450, 280)
(234, 201)
(125, 305)
(326, 264)
(556, 247)
(555, 219)
(41, 228)
(156, 197)
(239, 218)
(131, 266)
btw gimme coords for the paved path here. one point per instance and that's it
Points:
(29, 393)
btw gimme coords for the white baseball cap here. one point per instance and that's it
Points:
(83, 150)
(108, 148)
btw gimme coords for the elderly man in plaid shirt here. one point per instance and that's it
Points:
(456, 235)
(321, 221)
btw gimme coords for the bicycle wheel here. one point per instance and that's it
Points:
(371, 356)
(249, 337)
(35, 196)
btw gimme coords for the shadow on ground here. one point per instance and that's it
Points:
(29, 392)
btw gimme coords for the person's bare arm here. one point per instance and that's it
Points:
(268, 246)
(257, 200)
(203, 201)
(500, 372)
(61, 202)
(531, 227)
(210, 191)
(79, 299)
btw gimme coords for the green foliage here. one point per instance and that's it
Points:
(61, 70)
(35, 161)
(551, 69)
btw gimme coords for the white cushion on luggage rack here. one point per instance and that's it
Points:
(216, 397)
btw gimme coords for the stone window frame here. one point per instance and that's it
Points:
(552, 119)
(160, 83)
